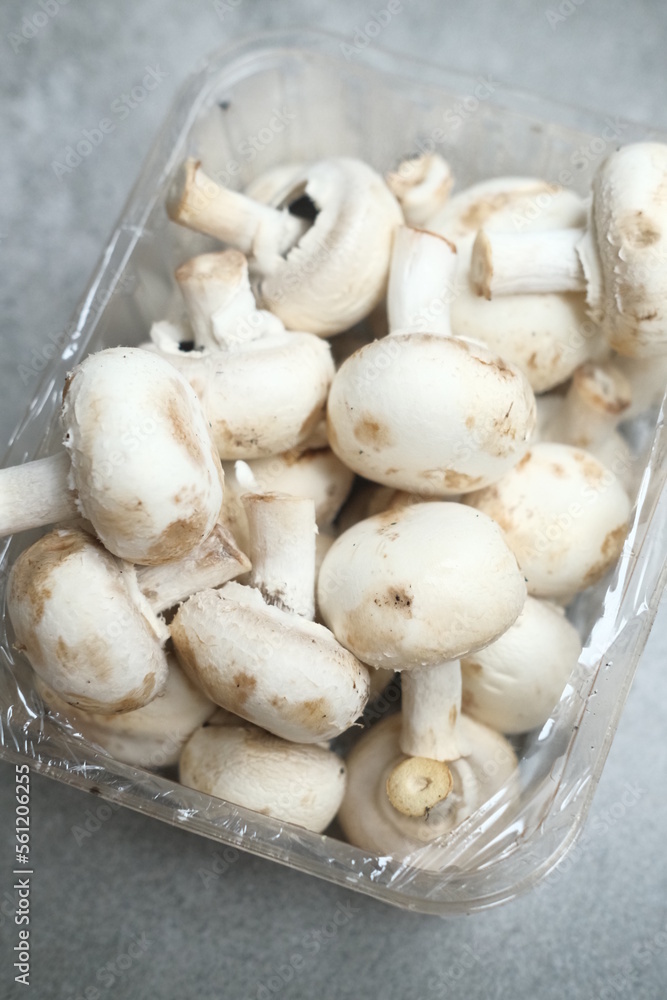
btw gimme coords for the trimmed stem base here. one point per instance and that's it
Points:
(520, 263)
(282, 533)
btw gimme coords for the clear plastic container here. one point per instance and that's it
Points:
(300, 97)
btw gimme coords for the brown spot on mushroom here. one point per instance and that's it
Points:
(453, 714)
(33, 568)
(591, 468)
(177, 539)
(638, 231)
(391, 472)
(558, 470)
(503, 370)
(453, 481)
(613, 543)
(179, 421)
(471, 666)
(399, 599)
(487, 205)
(135, 699)
(245, 685)
(372, 433)
(524, 461)
(470, 422)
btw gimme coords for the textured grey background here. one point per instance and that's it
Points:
(597, 929)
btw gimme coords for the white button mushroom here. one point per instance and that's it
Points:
(263, 390)
(514, 683)
(414, 590)
(421, 185)
(368, 819)
(254, 650)
(297, 784)
(618, 260)
(140, 463)
(150, 737)
(422, 411)
(322, 275)
(565, 517)
(546, 335)
(88, 622)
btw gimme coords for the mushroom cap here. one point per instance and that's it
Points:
(337, 272)
(629, 227)
(82, 622)
(316, 473)
(297, 784)
(509, 204)
(565, 517)
(370, 821)
(277, 670)
(264, 399)
(514, 683)
(149, 737)
(541, 334)
(428, 414)
(419, 586)
(143, 463)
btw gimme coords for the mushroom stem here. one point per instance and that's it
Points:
(36, 494)
(281, 547)
(517, 263)
(221, 306)
(431, 711)
(421, 282)
(421, 185)
(214, 562)
(597, 399)
(417, 784)
(196, 201)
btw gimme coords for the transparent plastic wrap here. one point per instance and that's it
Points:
(300, 97)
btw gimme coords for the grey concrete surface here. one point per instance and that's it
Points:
(597, 930)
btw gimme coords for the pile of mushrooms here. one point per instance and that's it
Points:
(268, 509)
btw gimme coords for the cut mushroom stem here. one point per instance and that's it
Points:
(221, 306)
(282, 534)
(417, 784)
(196, 201)
(421, 282)
(421, 185)
(431, 709)
(36, 494)
(596, 401)
(516, 263)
